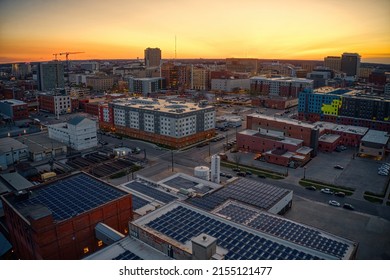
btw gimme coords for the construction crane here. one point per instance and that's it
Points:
(55, 56)
(68, 53)
(67, 61)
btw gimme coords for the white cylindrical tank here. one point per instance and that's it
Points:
(215, 169)
(202, 172)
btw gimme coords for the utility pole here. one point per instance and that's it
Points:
(172, 159)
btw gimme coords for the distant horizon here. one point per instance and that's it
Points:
(372, 61)
(34, 30)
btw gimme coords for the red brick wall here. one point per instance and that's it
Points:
(44, 239)
(290, 130)
(20, 112)
(92, 108)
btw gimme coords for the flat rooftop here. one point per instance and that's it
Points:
(329, 138)
(128, 248)
(359, 130)
(258, 194)
(13, 102)
(39, 142)
(258, 236)
(15, 181)
(162, 105)
(281, 120)
(282, 79)
(376, 136)
(150, 190)
(180, 181)
(67, 197)
(8, 143)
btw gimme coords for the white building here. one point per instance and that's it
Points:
(229, 84)
(79, 133)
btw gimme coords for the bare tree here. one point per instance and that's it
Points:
(237, 158)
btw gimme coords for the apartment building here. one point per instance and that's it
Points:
(171, 123)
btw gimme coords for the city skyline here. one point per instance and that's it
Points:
(35, 30)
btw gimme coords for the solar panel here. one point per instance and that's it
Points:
(151, 192)
(254, 193)
(299, 234)
(127, 255)
(138, 202)
(237, 213)
(241, 244)
(72, 196)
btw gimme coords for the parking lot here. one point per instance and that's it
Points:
(360, 174)
(369, 231)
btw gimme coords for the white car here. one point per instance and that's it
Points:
(334, 203)
(327, 191)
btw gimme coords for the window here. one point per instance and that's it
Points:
(100, 243)
(86, 250)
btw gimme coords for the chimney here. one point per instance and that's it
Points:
(203, 247)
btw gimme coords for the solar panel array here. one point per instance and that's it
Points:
(138, 202)
(251, 192)
(151, 192)
(127, 255)
(182, 224)
(237, 213)
(300, 234)
(71, 196)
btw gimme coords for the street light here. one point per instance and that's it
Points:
(304, 172)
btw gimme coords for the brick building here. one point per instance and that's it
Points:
(14, 109)
(57, 220)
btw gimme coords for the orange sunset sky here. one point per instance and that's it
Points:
(32, 30)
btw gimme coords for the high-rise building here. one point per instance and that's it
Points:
(350, 63)
(50, 75)
(200, 78)
(177, 76)
(21, 70)
(152, 57)
(333, 62)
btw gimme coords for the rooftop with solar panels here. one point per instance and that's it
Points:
(261, 195)
(65, 198)
(243, 232)
(148, 195)
(185, 184)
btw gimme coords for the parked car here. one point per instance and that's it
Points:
(338, 167)
(229, 176)
(326, 191)
(311, 188)
(348, 206)
(340, 194)
(334, 203)
(222, 174)
(248, 172)
(261, 176)
(241, 174)
(236, 169)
